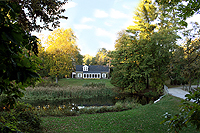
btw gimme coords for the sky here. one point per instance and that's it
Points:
(96, 22)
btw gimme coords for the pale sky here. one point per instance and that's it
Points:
(97, 22)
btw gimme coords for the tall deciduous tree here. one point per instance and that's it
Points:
(184, 8)
(144, 51)
(18, 46)
(101, 56)
(62, 52)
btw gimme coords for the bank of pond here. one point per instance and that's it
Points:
(58, 101)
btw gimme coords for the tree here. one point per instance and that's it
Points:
(101, 56)
(18, 46)
(184, 8)
(191, 60)
(45, 12)
(121, 75)
(89, 60)
(62, 52)
(144, 51)
(176, 67)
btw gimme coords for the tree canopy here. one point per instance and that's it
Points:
(184, 8)
(62, 53)
(18, 46)
(143, 51)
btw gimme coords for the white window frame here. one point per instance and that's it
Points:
(79, 75)
(85, 68)
(103, 75)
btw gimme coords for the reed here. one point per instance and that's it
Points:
(70, 92)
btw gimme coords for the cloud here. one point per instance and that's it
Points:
(86, 19)
(69, 5)
(107, 24)
(117, 14)
(100, 14)
(194, 18)
(102, 32)
(108, 46)
(126, 7)
(82, 26)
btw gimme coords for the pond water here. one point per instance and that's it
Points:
(95, 101)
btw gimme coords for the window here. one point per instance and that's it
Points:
(103, 75)
(79, 75)
(85, 68)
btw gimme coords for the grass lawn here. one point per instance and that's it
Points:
(79, 82)
(144, 119)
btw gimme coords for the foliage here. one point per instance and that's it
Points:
(142, 119)
(20, 118)
(184, 8)
(101, 56)
(188, 113)
(119, 106)
(62, 53)
(17, 54)
(143, 52)
(73, 110)
(47, 13)
(61, 110)
(89, 60)
(184, 66)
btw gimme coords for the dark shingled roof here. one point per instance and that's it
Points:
(93, 69)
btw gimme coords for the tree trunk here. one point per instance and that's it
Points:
(189, 87)
(147, 82)
(56, 79)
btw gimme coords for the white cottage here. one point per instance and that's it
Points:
(91, 71)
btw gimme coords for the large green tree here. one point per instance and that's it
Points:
(145, 50)
(121, 75)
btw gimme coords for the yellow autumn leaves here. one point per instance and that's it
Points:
(61, 52)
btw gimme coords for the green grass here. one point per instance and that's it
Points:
(145, 119)
(79, 82)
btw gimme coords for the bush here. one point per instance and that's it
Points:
(62, 110)
(21, 118)
(189, 113)
(119, 106)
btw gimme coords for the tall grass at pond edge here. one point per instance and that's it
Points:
(70, 92)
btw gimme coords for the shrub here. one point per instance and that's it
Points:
(62, 110)
(21, 118)
(119, 106)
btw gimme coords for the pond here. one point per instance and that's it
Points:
(95, 101)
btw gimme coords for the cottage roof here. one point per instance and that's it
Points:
(93, 69)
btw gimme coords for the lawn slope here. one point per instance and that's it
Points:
(144, 119)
